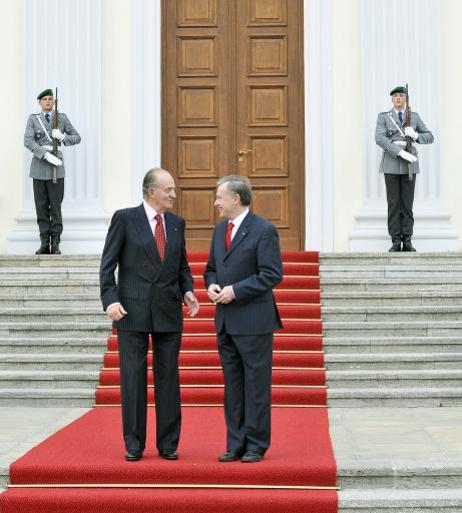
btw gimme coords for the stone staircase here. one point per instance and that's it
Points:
(393, 329)
(52, 330)
(393, 341)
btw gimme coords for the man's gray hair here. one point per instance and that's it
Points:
(150, 179)
(240, 185)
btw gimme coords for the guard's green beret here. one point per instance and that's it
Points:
(399, 89)
(47, 92)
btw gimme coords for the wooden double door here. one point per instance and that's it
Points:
(232, 93)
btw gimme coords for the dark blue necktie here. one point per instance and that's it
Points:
(400, 115)
(47, 117)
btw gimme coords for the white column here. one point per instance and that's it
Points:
(401, 43)
(319, 168)
(147, 78)
(63, 49)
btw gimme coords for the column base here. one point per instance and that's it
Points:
(433, 231)
(83, 233)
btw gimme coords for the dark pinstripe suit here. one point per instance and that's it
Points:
(151, 292)
(245, 326)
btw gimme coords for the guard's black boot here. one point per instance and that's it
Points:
(407, 244)
(44, 248)
(396, 244)
(55, 245)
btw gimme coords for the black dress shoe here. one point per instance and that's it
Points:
(133, 455)
(168, 455)
(251, 457)
(230, 456)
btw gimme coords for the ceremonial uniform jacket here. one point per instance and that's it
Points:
(386, 133)
(35, 139)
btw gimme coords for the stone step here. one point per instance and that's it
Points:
(391, 284)
(392, 313)
(50, 261)
(62, 314)
(400, 501)
(51, 361)
(385, 361)
(40, 300)
(48, 273)
(390, 297)
(390, 500)
(22, 379)
(49, 287)
(412, 271)
(70, 330)
(65, 345)
(389, 344)
(404, 397)
(365, 259)
(48, 397)
(399, 474)
(394, 378)
(389, 328)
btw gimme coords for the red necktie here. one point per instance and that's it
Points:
(159, 234)
(229, 229)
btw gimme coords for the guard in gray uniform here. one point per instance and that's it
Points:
(48, 196)
(390, 136)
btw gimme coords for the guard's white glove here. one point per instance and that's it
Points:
(47, 147)
(57, 134)
(407, 156)
(52, 159)
(410, 132)
(400, 143)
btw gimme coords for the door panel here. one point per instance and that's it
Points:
(233, 104)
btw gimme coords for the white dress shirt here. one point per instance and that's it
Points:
(151, 214)
(237, 221)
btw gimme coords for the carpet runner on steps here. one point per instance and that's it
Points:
(82, 468)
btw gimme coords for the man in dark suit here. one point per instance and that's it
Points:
(243, 267)
(147, 244)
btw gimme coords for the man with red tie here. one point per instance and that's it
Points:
(148, 246)
(244, 265)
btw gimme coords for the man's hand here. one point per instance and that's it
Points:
(192, 303)
(407, 156)
(115, 311)
(225, 296)
(52, 159)
(48, 147)
(410, 132)
(400, 143)
(57, 134)
(213, 291)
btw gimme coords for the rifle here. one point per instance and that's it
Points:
(407, 122)
(55, 141)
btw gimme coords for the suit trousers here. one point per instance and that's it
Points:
(133, 351)
(48, 197)
(400, 198)
(247, 363)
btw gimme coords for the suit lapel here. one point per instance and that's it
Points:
(240, 235)
(172, 233)
(145, 235)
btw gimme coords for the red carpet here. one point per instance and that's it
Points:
(81, 468)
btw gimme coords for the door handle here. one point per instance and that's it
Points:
(241, 153)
